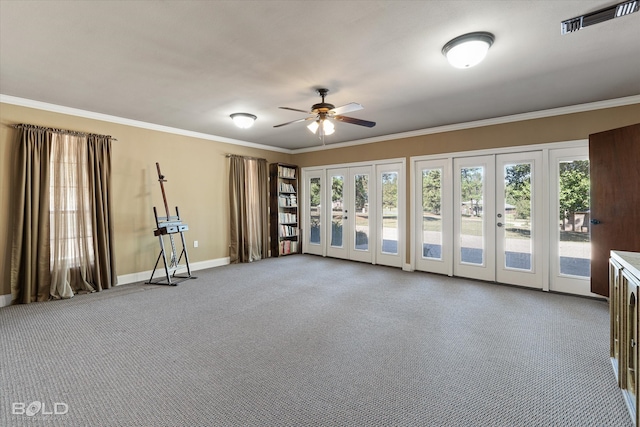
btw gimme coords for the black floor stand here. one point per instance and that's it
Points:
(171, 226)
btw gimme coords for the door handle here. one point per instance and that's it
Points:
(595, 221)
(499, 224)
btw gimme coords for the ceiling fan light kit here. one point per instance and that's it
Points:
(468, 50)
(313, 126)
(243, 120)
(324, 113)
(327, 127)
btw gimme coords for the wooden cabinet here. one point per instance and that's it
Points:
(615, 273)
(284, 212)
(624, 283)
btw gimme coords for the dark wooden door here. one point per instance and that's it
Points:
(614, 157)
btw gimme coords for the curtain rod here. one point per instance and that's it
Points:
(245, 157)
(62, 131)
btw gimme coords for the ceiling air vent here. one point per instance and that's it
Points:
(616, 11)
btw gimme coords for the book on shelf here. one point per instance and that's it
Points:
(285, 172)
(287, 188)
(288, 230)
(288, 247)
(288, 218)
(287, 201)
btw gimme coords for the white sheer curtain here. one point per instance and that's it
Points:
(72, 253)
(254, 220)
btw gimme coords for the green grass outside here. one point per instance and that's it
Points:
(472, 226)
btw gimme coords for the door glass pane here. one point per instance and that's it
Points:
(575, 229)
(471, 222)
(314, 210)
(361, 192)
(390, 212)
(516, 216)
(337, 209)
(431, 213)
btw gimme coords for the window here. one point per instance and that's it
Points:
(70, 207)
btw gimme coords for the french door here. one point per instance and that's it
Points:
(570, 229)
(433, 216)
(473, 217)
(390, 214)
(338, 228)
(313, 190)
(519, 219)
(349, 198)
(481, 217)
(355, 213)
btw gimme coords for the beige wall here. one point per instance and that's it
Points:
(196, 170)
(197, 174)
(566, 127)
(552, 129)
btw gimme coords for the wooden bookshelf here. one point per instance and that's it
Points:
(284, 214)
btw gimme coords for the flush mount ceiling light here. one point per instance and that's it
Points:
(468, 50)
(243, 120)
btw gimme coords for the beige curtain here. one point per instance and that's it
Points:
(99, 172)
(30, 255)
(249, 228)
(73, 250)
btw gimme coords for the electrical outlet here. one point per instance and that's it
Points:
(195, 243)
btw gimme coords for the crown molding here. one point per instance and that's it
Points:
(580, 108)
(38, 105)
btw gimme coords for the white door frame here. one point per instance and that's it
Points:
(355, 253)
(550, 280)
(563, 282)
(486, 269)
(534, 277)
(341, 251)
(398, 164)
(382, 257)
(307, 246)
(444, 264)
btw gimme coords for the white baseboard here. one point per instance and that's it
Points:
(5, 300)
(145, 275)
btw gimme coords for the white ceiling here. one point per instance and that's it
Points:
(190, 64)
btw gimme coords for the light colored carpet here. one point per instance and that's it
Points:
(309, 341)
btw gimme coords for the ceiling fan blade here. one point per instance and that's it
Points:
(294, 109)
(353, 121)
(347, 108)
(295, 121)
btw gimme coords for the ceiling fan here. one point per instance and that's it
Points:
(323, 112)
